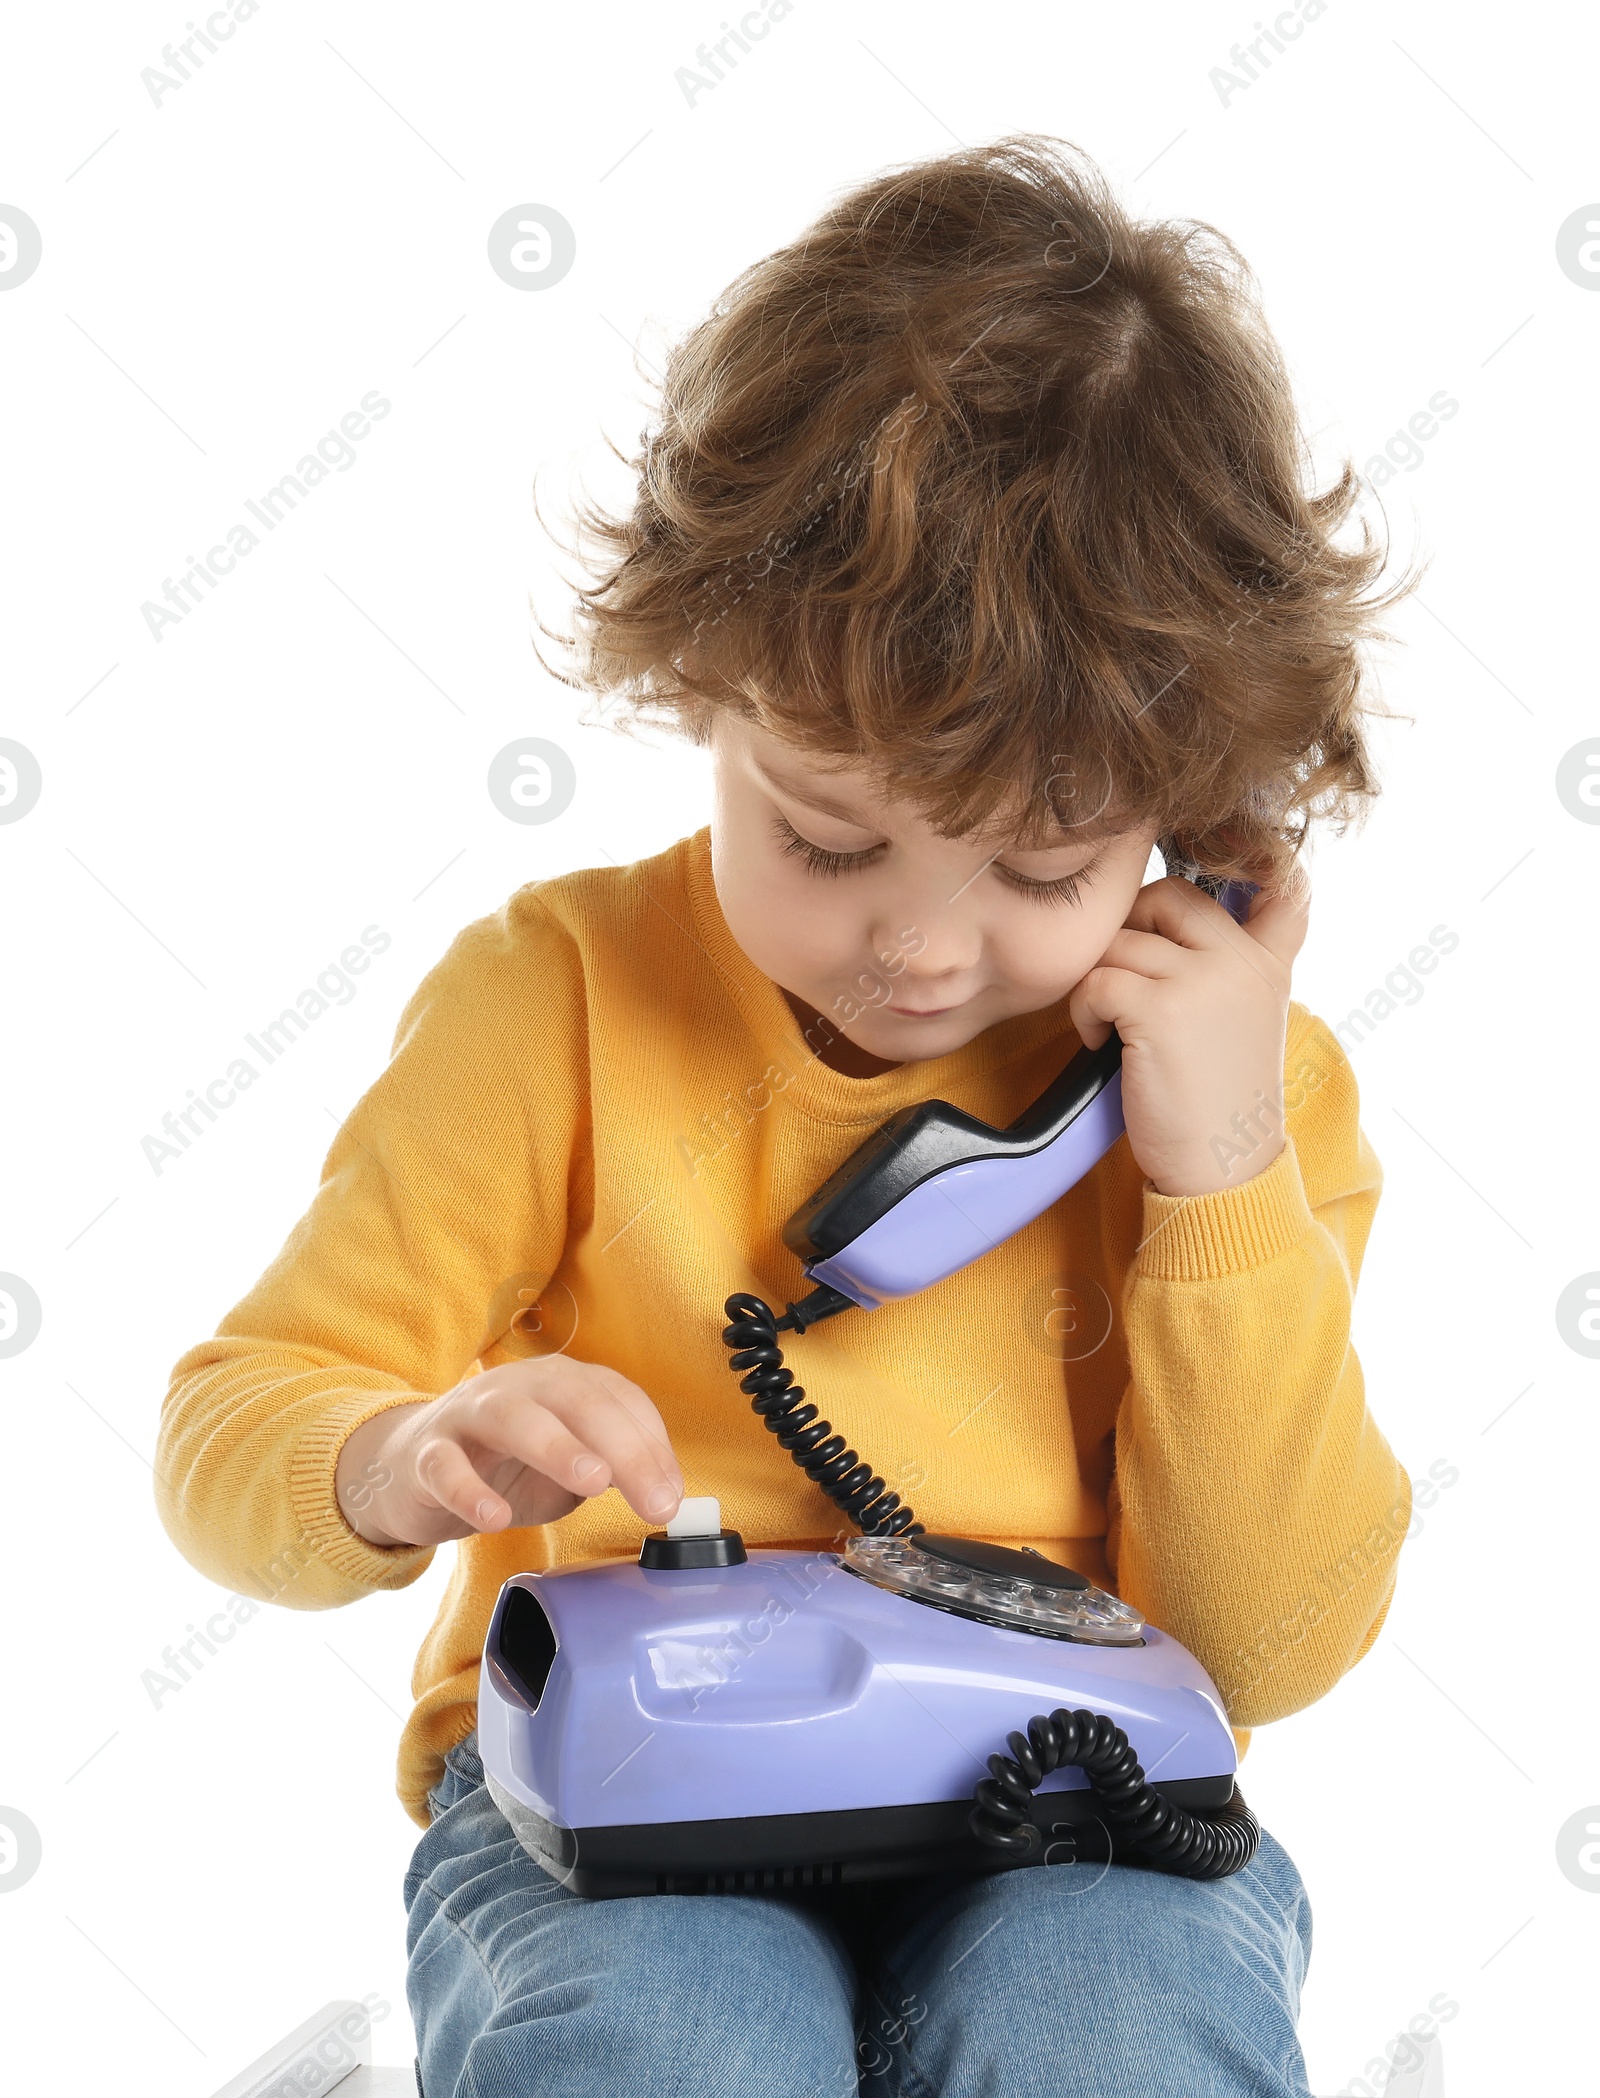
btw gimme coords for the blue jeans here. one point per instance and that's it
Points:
(1076, 1981)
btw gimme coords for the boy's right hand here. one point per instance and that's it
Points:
(514, 1446)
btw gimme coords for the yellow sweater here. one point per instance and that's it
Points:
(598, 1115)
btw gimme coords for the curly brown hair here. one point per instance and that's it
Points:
(1003, 491)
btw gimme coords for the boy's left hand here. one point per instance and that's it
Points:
(1202, 1007)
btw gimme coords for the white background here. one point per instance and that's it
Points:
(224, 810)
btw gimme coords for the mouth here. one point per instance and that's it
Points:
(921, 1012)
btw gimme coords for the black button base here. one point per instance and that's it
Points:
(683, 1554)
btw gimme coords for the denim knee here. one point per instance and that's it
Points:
(517, 1984)
(1097, 1982)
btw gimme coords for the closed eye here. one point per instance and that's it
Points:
(1065, 888)
(817, 857)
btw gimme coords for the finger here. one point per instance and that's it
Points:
(638, 1449)
(1280, 921)
(643, 1409)
(1182, 912)
(1186, 915)
(1145, 953)
(446, 1475)
(563, 1381)
(529, 1433)
(557, 1374)
(1108, 998)
(586, 1400)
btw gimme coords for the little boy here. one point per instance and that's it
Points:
(971, 541)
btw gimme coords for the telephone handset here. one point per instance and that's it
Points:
(934, 1187)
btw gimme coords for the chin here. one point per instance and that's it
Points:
(914, 1041)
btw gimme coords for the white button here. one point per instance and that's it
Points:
(698, 1515)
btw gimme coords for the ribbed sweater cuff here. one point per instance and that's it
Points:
(1198, 1238)
(314, 1498)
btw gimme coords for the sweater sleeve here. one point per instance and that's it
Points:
(1256, 1510)
(444, 1189)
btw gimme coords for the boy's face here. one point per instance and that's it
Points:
(916, 943)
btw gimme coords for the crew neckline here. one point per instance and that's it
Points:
(816, 1089)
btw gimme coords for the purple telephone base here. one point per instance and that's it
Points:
(782, 1723)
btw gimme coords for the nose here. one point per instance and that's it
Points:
(934, 938)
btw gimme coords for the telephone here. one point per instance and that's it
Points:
(713, 1718)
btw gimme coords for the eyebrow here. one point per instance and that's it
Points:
(811, 799)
